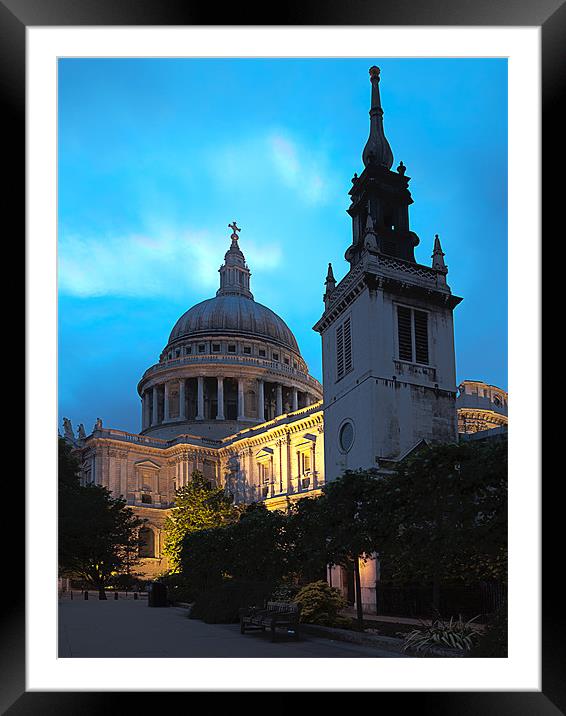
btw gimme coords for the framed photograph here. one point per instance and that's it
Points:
(158, 146)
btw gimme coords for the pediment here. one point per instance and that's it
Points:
(148, 464)
(307, 440)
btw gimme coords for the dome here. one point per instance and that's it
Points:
(235, 315)
(229, 363)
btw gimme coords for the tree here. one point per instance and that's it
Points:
(68, 492)
(349, 512)
(307, 535)
(444, 516)
(205, 559)
(260, 549)
(237, 564)
(198, 506)
(97, 533)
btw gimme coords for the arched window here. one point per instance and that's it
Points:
(146, 541)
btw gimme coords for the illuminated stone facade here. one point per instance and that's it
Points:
(480, 407)
(231, 396)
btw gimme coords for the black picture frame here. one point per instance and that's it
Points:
(15, 16)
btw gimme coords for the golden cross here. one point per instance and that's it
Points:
(234, 228)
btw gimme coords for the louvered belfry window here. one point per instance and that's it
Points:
(344, 348)
(405, 333)
(412, 327)
(421, 336)
(347, 346)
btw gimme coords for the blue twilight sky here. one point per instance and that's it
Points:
(157, 156)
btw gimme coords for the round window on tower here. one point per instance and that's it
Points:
(346, 436)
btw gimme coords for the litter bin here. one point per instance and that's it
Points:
(157, 595)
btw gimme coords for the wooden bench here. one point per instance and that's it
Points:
(275, 616)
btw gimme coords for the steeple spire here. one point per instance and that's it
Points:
(380, 196)
(234, 272)
(329, 284)
(438, 256)
(377, 149)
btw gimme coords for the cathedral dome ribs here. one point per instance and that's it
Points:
(237, 315)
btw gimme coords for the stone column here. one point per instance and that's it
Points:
(280, 468)
(154, 416)
(299, 473)
(260, 401)
(106, 469)
(288, 464)
(186, 474)
(279, 400)
(220, 398)
(313, 466)
(200, 398)
(241, 407)
(295, 400)
(96, 467)
(271, 478)
(144, 411)
(166, 402)
(147, 408)
(124, 475)
(182, 413)
(112, 473)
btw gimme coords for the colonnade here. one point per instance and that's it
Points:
(157, 410)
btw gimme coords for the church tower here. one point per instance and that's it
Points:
(387, 329)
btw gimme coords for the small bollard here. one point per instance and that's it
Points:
(86, 593)
(135, 595)
(115, 595)
(71, 595)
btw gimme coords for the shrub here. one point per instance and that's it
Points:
(494, 642)
(320, 604)
(285, 593)
(221, 604)
(446, 635)
(124, 582)
(177, 588)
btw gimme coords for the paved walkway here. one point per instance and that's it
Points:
(128, 628)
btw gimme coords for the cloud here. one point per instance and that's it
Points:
(271, 158)
(163, 261)
(299, 167)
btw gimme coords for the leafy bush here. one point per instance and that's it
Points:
(446, 635)
(493, 643)
(124, 582)
(177, 588)
(198, 506)
(320, 604)
(284, 593)
(221, 604)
